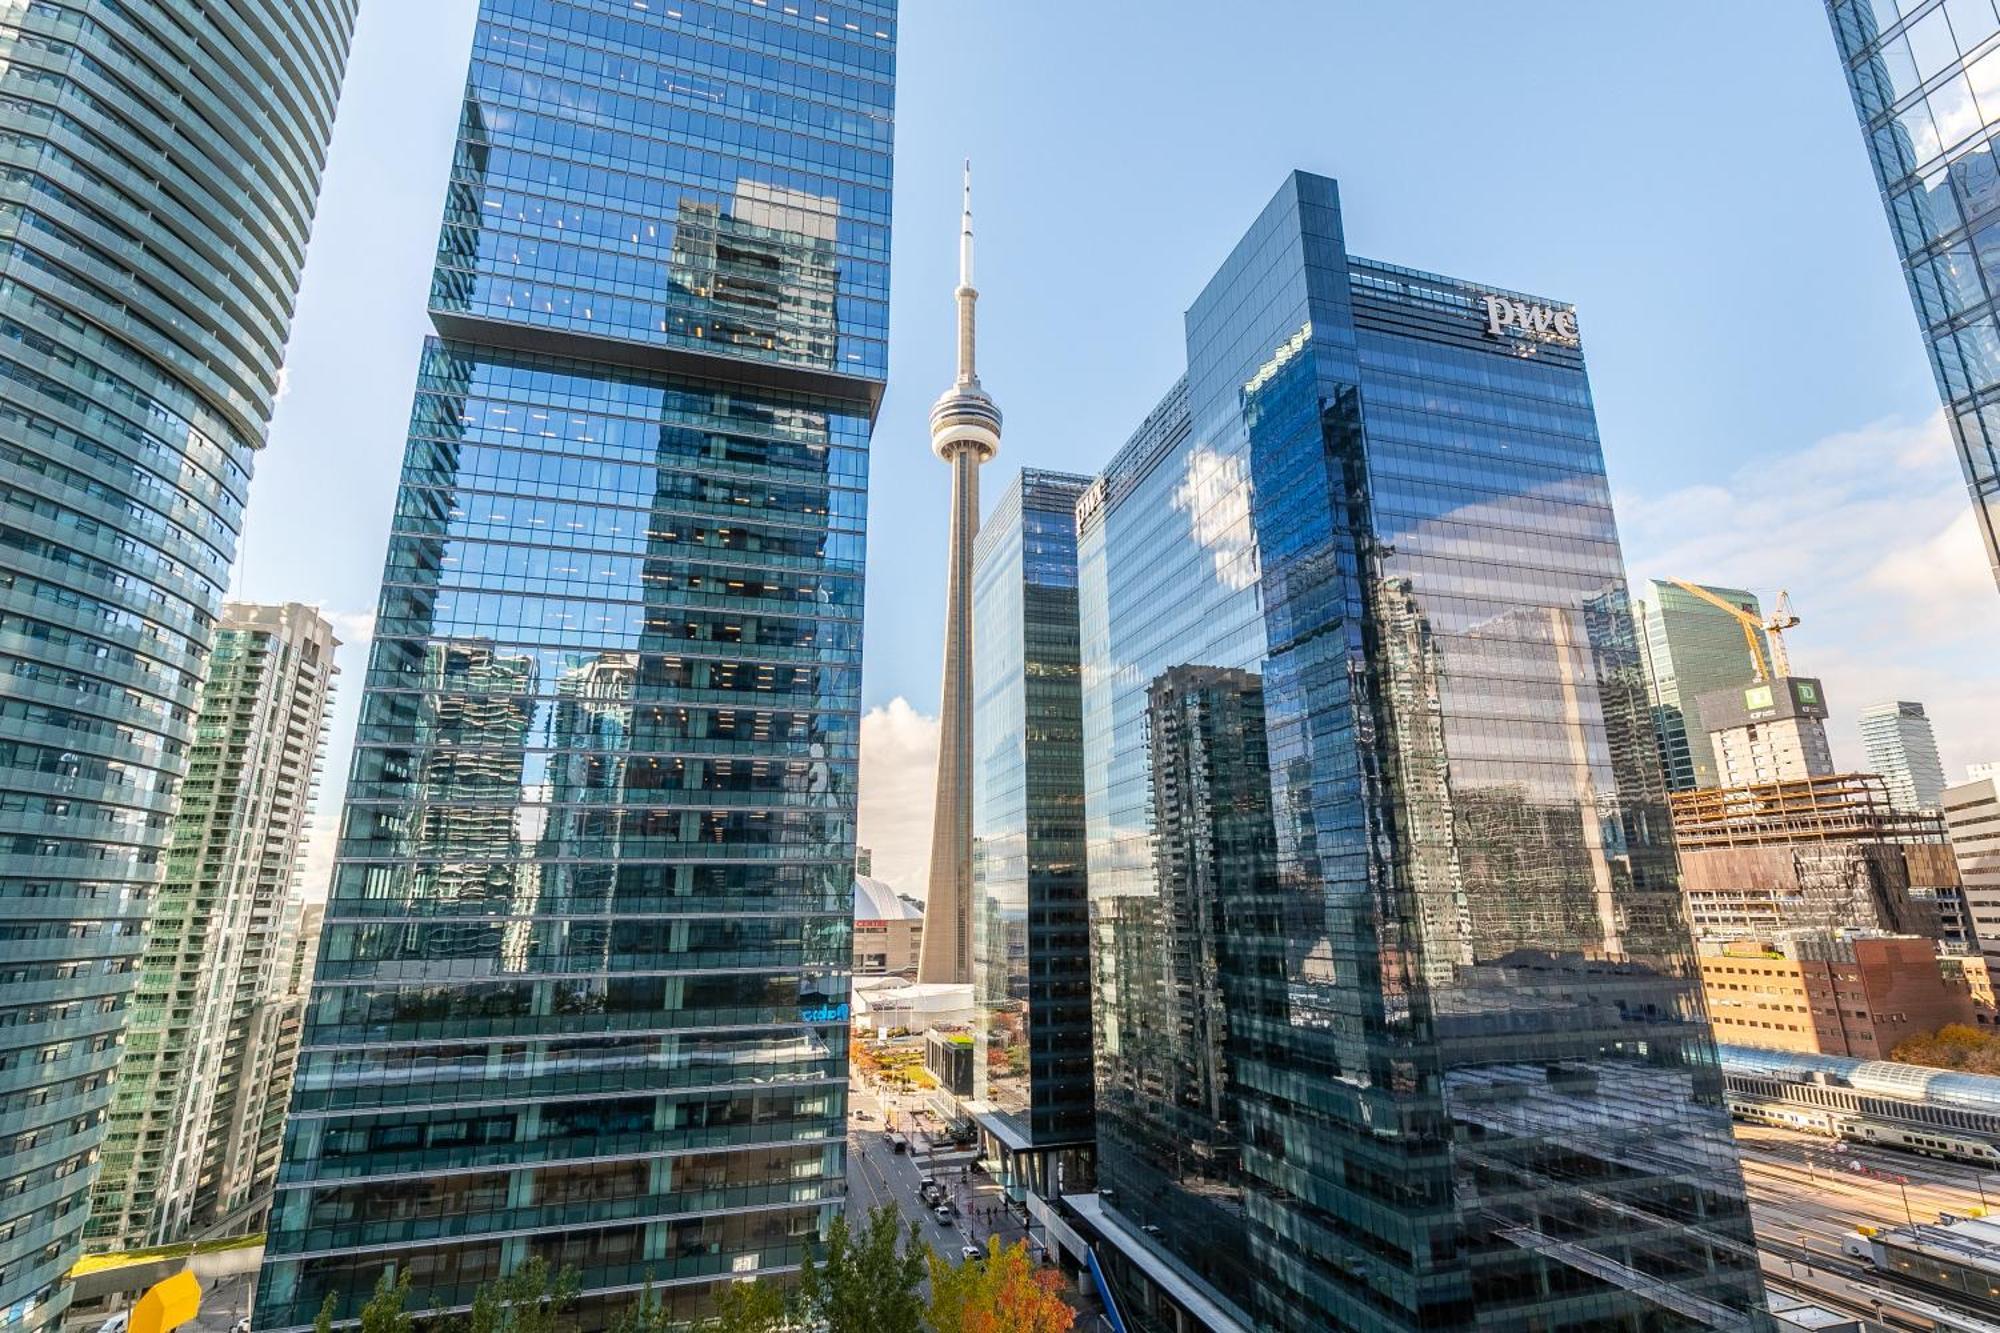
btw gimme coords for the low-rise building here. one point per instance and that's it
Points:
(1832, 994)
(885, 1006)
(888, 930)
(949, 1056)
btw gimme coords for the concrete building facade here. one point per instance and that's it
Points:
(1829, 993)
(1768, 731)
(888, 931)
(965, 433)
(1972, 817)
(207, 1048)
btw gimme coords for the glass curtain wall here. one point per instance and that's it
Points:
(1925, 77)
(161, 170)
(1031, 972)
(1373, 804)
(583, 981)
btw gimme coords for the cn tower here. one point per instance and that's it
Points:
(965, 432)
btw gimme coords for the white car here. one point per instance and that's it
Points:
(970, 1252)
(943, 1213)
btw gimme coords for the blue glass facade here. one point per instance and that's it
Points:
(1925, 75)
(582, 990)
(1396, 1017)
(1030, 934)
(159, 166)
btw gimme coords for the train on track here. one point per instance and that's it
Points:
(1936, 1112)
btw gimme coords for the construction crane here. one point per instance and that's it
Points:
(1779, 664)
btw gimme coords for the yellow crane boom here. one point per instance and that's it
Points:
(1750, 625)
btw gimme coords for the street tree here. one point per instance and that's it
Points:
(534, 1298)
(869, 1279)
(1006, 1292)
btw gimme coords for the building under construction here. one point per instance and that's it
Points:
(1823, 852)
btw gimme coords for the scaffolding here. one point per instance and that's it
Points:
(1838, 807)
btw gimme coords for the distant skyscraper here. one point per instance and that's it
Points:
(1388, 952)
(163, 165)
(1767, 731)
(965, 432)
(1926, 84)
(1901, 747)
(583, 981)
(1691, 648)
(1030, 933)
(202, 1049)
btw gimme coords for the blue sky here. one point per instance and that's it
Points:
(1689, 175)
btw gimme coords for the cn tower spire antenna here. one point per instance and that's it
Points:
(965, 432)
(965, 233)
(968, 296)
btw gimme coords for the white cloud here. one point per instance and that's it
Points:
(899, 754)
(1872, 532)
(354, 629)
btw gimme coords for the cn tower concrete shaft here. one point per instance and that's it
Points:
(965, 432)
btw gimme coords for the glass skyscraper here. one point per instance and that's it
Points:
(1925, 75)
(1030, 936)
(1397, 1018)
(582, 990)
(161, 164)
(1690, 648)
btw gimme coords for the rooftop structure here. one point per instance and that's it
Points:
(1834, 807)
(1770, 730)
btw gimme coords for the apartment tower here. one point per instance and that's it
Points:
(206, 1049)
(163, 166)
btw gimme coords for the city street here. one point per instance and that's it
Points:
(877, 1175)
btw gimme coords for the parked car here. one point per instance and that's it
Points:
(943, 1213)
(970, 1252)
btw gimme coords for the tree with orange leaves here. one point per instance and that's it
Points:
(1005, 1292)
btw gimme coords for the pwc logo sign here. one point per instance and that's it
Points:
(1517, 319)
